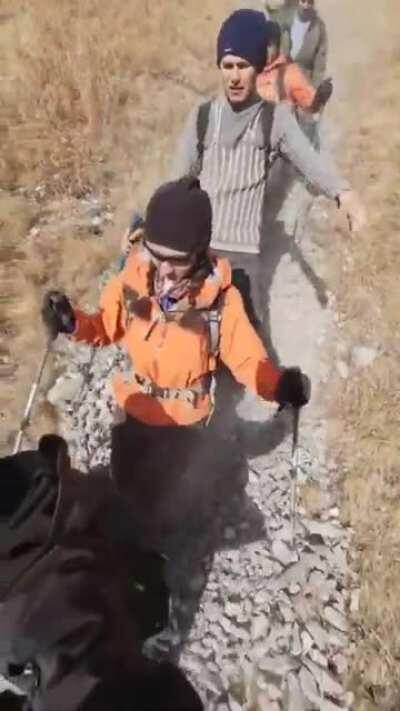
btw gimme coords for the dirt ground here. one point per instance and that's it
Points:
(105, 137)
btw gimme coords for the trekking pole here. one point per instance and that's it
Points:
(294, 469)
(31, 398)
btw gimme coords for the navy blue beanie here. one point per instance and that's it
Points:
(245, 34)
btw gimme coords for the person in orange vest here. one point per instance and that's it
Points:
(174, 309)
(283, 80)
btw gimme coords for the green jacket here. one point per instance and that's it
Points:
(312, 57)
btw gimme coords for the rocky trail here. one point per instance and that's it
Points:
(259, 622)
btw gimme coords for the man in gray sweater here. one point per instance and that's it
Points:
(231, 141)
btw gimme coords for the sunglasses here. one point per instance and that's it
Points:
(181, 260)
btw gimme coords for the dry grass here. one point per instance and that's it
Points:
(92, 84)
(92, 97)
(28, 266)
(366, 415)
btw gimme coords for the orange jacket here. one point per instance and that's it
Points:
(283, 80)
(173, 351)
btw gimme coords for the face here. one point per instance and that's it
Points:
(306, 9)
(172, 266)
(239, 79)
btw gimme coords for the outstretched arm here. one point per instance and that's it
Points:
(105, 326)
(318, 169)
(99, 329)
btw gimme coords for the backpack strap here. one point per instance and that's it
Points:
(213, 317)
(280, 82)
(214, 331)
(203, 117)
(267, 118)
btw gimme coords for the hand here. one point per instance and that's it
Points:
(322, 95)
(350, 203)
(294, 388)
(57, 314)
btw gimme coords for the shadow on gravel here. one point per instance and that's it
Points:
(261, 438)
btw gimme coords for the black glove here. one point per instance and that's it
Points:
(58, 314)
(322, 95)
(294, 388)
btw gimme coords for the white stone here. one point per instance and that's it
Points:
(363, 356)
(328, 685)
(65, 389)
(293, 697)
(340, 663)
(287, 613)
(334, 512)
(233, 704)
(307, 642)
(277, 667)
(325, 529)
(335, 618)
(294, 588)
(259, 627)
(320, 636)
(355, 601)
(318, 658)
(273, 692)
(309, 686)
(296, 646)
(233, 609)
(343, 369)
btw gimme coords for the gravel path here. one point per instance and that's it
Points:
(258, 622)
(262, 622)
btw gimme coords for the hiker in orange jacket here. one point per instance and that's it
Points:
(158, 307)
(283, 80)
(163, 308)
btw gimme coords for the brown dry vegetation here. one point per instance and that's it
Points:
(92, 96)
(366, 415)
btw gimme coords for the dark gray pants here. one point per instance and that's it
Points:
(247, 277)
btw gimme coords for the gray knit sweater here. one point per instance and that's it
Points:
(235, 176)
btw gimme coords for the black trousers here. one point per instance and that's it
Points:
(173, 477)
(247, 276)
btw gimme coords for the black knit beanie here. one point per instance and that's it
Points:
(179, 216)
(244, 34)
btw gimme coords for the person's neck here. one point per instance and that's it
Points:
(304, 19)
(251, 101)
